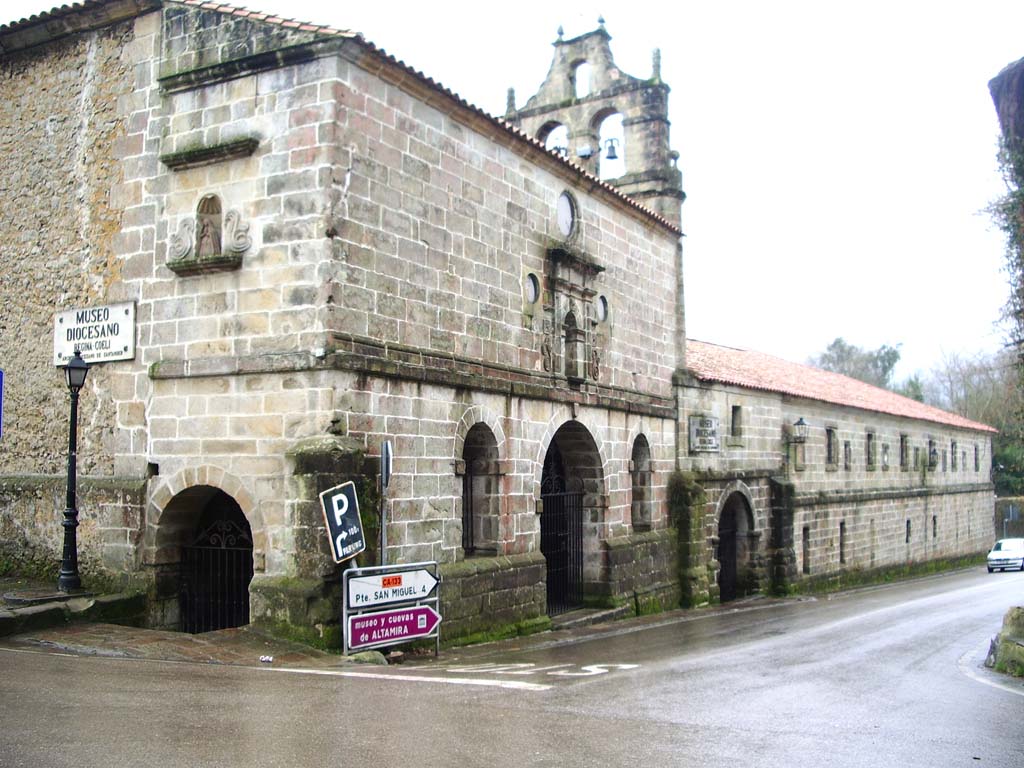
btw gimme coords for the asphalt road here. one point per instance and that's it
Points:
(881, 677)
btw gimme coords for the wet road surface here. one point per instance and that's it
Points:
(880, 677)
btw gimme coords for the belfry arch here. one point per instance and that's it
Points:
(649, 173)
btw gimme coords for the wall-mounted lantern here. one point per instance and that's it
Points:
(800, 428)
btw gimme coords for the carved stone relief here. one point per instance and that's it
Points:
(208, 244)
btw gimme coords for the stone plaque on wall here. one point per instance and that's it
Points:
(101, 334)
(704, 434)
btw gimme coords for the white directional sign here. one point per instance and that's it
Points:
(387, 588)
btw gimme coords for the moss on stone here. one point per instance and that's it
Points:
(686, 502)
(848, 579)
(518, 629)
(325, 637)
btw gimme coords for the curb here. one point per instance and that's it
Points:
(112, 609)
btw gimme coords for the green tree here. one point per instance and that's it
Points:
(986, 388)
(913, 388)
(871, 366)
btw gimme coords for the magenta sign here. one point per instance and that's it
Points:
(367, 630)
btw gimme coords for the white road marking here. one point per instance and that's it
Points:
(968, 663)
(518, 685)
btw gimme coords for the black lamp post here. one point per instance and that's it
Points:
(74, 374)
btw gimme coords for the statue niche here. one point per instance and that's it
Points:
(208, 217)
(209, 242)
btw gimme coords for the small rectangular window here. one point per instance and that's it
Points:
(917, 457)
(933, 456)
(935, 526)
(904, 452)
(736, 422)
(807, 549)
(831, 447)
(869, 450)
(952, 455)
(943, 459)
(847, 455)
(908, 531)
(977, 460)
(842, 541)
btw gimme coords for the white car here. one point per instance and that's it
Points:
(1007, 553)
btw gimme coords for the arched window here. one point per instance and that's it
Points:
(573, 348)
(209, 227)
(641, 477)
(481, 492)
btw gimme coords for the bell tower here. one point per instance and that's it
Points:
(583, 93)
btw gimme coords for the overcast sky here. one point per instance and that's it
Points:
(837, 156)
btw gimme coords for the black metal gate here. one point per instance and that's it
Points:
(727, 569)
(215, 573)
(561, 536)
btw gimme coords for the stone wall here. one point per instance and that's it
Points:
(643, 570)
(31, 536)
(63, 135)
(849, 513)
(382, 240)
(492, 595)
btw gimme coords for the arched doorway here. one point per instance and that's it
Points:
(735, 526)
(202, 553)
(216, 568)
(572, 499)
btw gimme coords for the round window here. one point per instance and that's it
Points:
(532, 288)
(566, 214)
(602, 309)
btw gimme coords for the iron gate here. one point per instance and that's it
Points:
(561, 542)
(215, 573)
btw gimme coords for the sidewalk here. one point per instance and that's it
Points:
(35, 615)
(244, 646)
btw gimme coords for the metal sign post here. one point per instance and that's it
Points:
(386, 461)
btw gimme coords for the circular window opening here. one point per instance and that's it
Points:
(566, 213)
(532, 288)
(602, 309)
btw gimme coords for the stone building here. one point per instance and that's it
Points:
(324, 249)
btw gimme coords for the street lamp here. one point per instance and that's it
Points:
(69, 580)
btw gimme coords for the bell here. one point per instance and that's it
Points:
(611, 154)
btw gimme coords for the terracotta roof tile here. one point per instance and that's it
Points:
(756, 370)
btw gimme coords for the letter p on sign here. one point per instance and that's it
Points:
(340, 504)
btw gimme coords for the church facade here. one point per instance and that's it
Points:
(323, 250)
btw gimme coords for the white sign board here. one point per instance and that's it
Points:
(703, 434)
(101, 334)
(392, 587)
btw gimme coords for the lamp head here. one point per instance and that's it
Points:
(75, 372)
